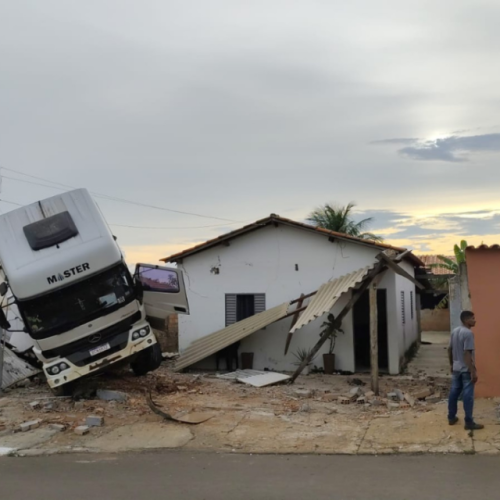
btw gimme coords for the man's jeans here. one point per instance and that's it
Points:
(461, 383)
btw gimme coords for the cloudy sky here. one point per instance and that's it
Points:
(234, 110)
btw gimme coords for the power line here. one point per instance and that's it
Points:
(142, 227)
(174, 227)
(105, 196)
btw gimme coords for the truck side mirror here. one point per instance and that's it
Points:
(3, 289)
(4, 323)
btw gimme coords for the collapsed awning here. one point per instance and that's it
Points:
(327, 296)
(210, 344)
(15, 369)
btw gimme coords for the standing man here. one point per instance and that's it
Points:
(463, 368)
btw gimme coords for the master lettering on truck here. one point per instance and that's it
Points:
(68, 273)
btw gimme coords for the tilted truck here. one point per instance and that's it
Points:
(81, 307)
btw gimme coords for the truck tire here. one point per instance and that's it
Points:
(147, 361)
(64, 390)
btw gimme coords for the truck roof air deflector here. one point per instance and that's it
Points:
(50, 231)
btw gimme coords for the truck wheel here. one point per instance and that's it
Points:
(64, 390)
(147, 361)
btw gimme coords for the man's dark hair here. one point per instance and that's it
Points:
(466, 315)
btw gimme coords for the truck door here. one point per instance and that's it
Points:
(164, 292)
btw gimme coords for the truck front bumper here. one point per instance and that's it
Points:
(84, 363)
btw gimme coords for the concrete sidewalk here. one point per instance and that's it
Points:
(261, 431)
(308, 417)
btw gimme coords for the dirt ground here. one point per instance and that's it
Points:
(306, 417)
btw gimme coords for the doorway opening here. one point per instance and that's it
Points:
(361, 327)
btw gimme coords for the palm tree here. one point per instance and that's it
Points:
(339, 219)
(453, 266)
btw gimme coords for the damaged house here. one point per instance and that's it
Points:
(264, 266)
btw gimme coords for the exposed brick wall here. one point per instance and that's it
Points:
(169, 339)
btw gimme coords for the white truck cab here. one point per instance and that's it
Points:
(80, 305)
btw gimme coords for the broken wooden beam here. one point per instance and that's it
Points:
(398, 270)
(296, 313)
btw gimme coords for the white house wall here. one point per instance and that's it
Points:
(264, 261)
(409, 329)
(388, 282)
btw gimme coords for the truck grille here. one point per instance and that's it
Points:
(84, 344)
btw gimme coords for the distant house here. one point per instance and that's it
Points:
(275, 260)
(430, 261)
(432, 318)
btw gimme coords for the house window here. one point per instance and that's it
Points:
(411, 304)
(403, 312)
(240, 306)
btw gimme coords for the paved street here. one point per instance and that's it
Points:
(180, 475)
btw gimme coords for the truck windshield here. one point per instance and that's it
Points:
(77, 304)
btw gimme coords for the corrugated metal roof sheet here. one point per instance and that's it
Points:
(15, 369)
(264, 379)
(327, 296)
(210, 344)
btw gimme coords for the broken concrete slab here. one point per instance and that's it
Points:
(107, 395)
(356, 392)
(35, 405)
(399, 394)
(303, 393)
(81, 430)
(409, 399)
(94, 421)
(143, 436)
(57, 427)
(24, 440)
(28, 426)
(195, 417)
(422, 394)
(434, 398)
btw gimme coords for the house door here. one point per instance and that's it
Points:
(361, 326)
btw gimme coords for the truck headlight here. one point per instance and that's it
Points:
(55, 369)
(143, 332)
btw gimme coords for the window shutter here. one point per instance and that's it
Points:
(403, 312)
(411, 304)
(230, 308)
(259, 302)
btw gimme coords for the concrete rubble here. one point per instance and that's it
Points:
(81, 430)
(94, 421)
(318, 414)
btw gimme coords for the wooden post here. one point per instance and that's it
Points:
(294, 320)
(374, 338)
